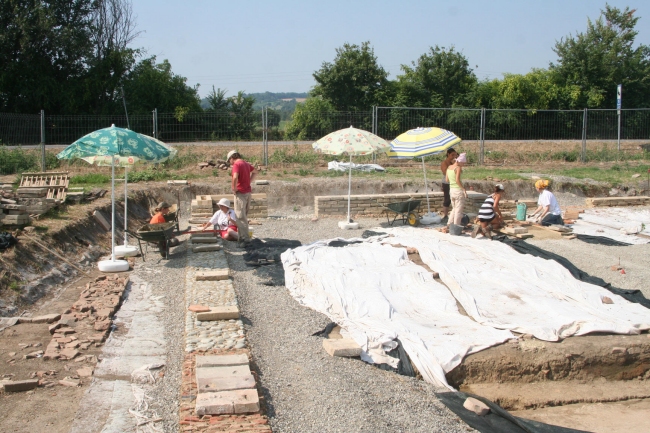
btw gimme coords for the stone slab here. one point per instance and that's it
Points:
(205, 248)
(227, 402)
(261, 182)
(20, 385)
(223, 371)
(218, 275)
(218, 384)
(219, 313)
(221, 360)
(342, 347)
(102, 220)
(205, 240)
(48, 318)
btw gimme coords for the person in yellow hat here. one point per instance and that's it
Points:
(548, 211)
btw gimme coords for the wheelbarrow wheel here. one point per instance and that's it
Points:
(413, 219)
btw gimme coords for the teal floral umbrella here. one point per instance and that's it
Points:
(126, 162)
(121, 147)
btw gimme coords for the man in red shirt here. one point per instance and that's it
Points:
(242, 176)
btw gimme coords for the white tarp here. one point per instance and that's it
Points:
(618, 223)
(377, 294)
(500, 287)
(345, 166)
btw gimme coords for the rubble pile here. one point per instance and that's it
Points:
(89, 320)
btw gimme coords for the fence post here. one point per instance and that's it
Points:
(155, 123)
(43, 141)
(481, 155)
(583, 154)
(265, 135)
(374, 131)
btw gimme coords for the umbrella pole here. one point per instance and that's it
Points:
(349, 187)
(126, 199)
(113, 208)
(426, 185)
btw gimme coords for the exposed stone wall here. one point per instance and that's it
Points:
(373, 204)
(618, 201)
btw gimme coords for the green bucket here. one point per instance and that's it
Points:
(521, 211)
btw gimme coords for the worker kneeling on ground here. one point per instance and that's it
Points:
(489, 215)
(225, 221)
(548, 212)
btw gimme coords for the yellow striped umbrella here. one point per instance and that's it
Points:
(421, 142)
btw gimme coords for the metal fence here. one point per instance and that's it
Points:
(473, 125)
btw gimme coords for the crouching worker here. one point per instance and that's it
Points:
(159, 218)
(548, 212)
(161, 210)
(489, 215)
(225, 221)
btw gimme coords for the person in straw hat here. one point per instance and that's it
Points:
(225, 221)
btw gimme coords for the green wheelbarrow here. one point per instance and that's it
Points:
(404, 210)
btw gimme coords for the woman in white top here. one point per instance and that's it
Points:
(224, 220)
(549, 210)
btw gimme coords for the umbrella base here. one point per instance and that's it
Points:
(125, 251)
(113, 266)
(348, 226)
(430, 218)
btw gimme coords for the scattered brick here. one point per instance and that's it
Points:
(20, 385)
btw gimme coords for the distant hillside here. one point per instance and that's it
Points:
(277, 101)
(284, 103)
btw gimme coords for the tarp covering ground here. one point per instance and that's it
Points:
(624, 224)
(377, 294)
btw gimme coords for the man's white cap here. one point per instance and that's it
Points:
(224, 202)
(230, 154)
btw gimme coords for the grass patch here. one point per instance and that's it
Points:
(90, 179)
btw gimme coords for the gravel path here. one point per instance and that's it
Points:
(306, 390)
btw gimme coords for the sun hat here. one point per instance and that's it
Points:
(462, 157)
(224, 202)
(162, 205)
(499, 186)
(230, 154)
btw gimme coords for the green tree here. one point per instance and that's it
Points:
(540, 89)
(354, 81)
(440, 78)
(218, 101)
(604, 56)
(153, 85)
(43, 48)
(242, 122)
(311, 120)
(113, 29)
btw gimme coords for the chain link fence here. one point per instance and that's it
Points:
(488, 135)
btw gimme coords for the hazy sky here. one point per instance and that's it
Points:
(275, 46)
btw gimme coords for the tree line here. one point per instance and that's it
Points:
(588, 68)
